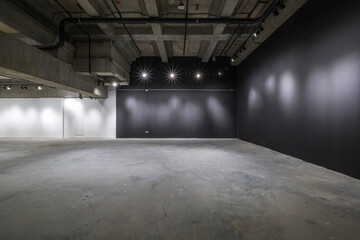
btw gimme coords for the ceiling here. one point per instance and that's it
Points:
(163, 40)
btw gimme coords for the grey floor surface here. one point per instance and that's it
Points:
(169, 189)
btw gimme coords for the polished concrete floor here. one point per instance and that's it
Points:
(169, 189)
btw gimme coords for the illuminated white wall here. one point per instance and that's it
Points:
(58, 118)
(90, 118)
(31, 118)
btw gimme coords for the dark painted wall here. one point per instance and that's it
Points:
(184, 108)
(299, 92)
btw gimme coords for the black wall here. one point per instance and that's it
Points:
(299, 92)
(180, 108)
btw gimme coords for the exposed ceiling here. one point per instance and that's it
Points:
(41, 18)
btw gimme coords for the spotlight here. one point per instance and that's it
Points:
(198, 75)
(181, 6)
(38, 87)
(114, 84)
(219, 73)
(281, 5)
(144, 75)
(7, 87)
(276, 13)
(172, 75)
(255, 34)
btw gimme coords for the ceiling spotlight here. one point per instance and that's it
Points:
(7, 87)
(38, 87)
(172, 75)
(198, 75)
(181, 6)
(255, 34)
(219, 73)
(114, 84)
(233, 59)
(281, 5)
(276, 13)
(144, 75)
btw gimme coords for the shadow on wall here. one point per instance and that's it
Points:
(299, 93)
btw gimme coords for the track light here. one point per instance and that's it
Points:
(181, 6)
(276, 13)
(281, 5)
(38, 87)
(114, 84)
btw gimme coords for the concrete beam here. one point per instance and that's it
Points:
(152, 9)
(32, 92)
(227, 10)
(22, 61)
(92, 7)
(17, 19)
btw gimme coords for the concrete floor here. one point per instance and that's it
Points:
(169, 189)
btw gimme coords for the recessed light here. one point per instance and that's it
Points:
(114, 84)
(144, 75)
(172, 75)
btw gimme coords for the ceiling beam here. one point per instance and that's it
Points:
(227, 11)
(14, 17)
(22, 61)
(93, 9)
(153, 11)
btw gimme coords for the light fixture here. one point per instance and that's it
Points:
(219, 73)
(255, 34)
(7, 87)
(114, 84)
(234, 58)
(181, 6)
(144, 75)
(38, 87)
(198, 75)
(281, 5)
(276, 13)
(172, 75)
(260, 28)
(23, 87)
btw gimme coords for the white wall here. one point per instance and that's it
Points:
(57, 117)
(90, 118)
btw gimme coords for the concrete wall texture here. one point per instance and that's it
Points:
(57, 117)
(299, 92)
